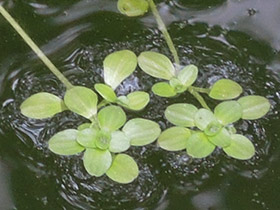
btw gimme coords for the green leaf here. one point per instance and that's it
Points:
(87, 137)
(213, 128)
(103, 140)
(203, 118)
(188, 75)
(141, 131)
(198, 145)
(42, 105)
(97, 162)
(138, 100)
(133, 8)
(111, 118)
(82, 101)
(156, 65)
(228, 112)
(64, 143)
(123, 101)
(118, 66)
(84, 126)
(119, 142)
(123, 170)
(106, 92)
(163, 89)
(181, 114)
(174, 138)
(240, 148)
(222, 139)
(177, 85)
(254, 107)
(225, 89)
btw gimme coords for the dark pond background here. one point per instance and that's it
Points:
(236, 39)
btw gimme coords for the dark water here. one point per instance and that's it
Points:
(225, 39)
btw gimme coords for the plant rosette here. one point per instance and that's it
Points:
(102, 140)
(215, 129)
(117, 67)
(159, 66)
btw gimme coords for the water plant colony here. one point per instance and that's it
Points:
(107, 134)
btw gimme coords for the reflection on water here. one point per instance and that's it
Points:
(77, 36)
(5, 194)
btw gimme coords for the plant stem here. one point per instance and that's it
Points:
(35, 48)
(201, 90)
(164, 31)
(199, 98)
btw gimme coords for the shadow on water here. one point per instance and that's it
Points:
(77, 36)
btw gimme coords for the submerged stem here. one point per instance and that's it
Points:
(201, 90)
(164, 31)
(35, 48)
(199, 98)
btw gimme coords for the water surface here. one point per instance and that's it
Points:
(224, 38)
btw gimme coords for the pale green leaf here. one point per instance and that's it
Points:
(225, 89)
(82, 101)
(97, 162)
(181, 114)
(188, 75)
(163, 89)
(174, 138)
(84, 126)
(222, 139)
(254, 107)
(198, 145)
(177, 85)
(123, 170)
(133, 8)
(106, 92)
(118, 66)
(203, 118)
(138, 100)
(111, 118)
(228, 112)
(103, 139)
(119, 142)
(240, 148)
(141, 131)
(156, 65)
(213, 128)
(123, 101)
(42, 105)
(87, 137)
(64, 143)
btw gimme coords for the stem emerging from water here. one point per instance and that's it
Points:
(164, 31)
(195, 91)
(35, 48)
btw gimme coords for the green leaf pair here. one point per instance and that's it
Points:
(78, 99)
(102, 139)
(215, 128)
(159, 66)
(117, 67)
(136, 101)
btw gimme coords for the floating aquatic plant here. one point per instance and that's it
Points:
(101, 138)
(108, 134)
(117, 67)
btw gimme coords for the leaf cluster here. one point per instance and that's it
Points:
(108, 134)
(212, 129)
